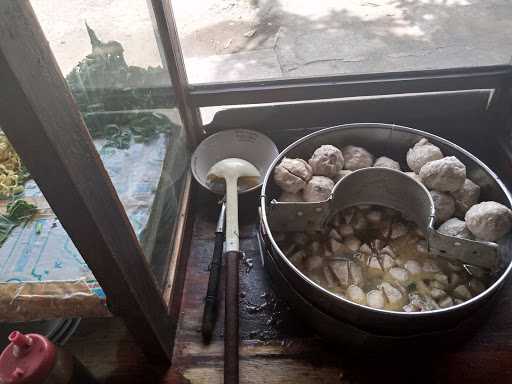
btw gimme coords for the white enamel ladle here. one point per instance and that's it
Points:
(232, 170)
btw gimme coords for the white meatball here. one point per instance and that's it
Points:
(489, 221)
(414, 176)
(465, 197)
(327, 160)
(446, 175)
(356, 294)
(291, 175)
(375, 299)
(341, 174)
(422, 153)
(455, 227)
(318, 189)
(289, 197)
(444, 205)
(386, 162)
(356, 158)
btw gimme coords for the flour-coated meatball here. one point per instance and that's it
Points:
(386, 162)
(465, 197)
(291, 175)
(444, 205)
(489, 220)
(318, 189)
(455, 227)
(356, 158)
(422, 153)
(288, 197)
(327, 160)
(446, 175)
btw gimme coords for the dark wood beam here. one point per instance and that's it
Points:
(169, 41)
(41, 119)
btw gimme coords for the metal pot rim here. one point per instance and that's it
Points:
(489, 291)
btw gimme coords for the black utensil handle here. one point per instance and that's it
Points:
(231, 319)
(210, 302)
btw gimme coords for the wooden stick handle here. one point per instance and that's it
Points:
(231, 319)
(210, 302)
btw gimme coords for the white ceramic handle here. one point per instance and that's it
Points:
(232, 235)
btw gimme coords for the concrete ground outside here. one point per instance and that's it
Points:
(225, 40)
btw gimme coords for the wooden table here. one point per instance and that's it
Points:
(279, 348)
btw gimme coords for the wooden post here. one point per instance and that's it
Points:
(169, 39)
(41, 119)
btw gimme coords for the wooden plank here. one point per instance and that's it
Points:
(40, 117)
(164, 18)
(313, 88)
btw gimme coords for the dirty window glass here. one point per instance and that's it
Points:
(109, 53)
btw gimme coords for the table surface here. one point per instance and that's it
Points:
(276, 346)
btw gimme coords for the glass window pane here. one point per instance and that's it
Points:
(108, 52)
(226, 40)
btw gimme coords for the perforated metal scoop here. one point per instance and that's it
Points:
(392, 189)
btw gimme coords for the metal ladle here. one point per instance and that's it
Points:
(232, 170)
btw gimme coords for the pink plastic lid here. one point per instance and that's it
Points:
(28, 359)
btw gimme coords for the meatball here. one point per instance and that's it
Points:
(445, 175)
(466, 197)
(292, 174)
(356, 158)
(489, 221)
(455, 227)
(386, 162)
(444, 206)
(422, 153)
(318, 189)
(327, 160)
(289, 197)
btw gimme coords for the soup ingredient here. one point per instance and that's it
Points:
(375, 299)
(386, 162)
(291, 175)
(356, 157)
(290, 197)
(356, 294)
(422, 153)
(444, 206)
(489, 220)
(318, 189)
(465, 197)
(455, 227)
(327, 160)
(445, 175)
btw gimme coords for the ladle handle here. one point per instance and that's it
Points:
(231, 318)
(231, 290)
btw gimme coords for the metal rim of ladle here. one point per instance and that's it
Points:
(488, 291)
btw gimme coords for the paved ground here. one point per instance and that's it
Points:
(251, 39)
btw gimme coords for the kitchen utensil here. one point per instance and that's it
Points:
(233, 171)
(388, 188)
(382, 326)
(210, 302)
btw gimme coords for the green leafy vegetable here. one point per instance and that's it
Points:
(18, 212)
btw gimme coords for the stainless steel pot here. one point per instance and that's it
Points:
(316, 302)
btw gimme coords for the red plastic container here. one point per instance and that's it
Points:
(33, 359)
